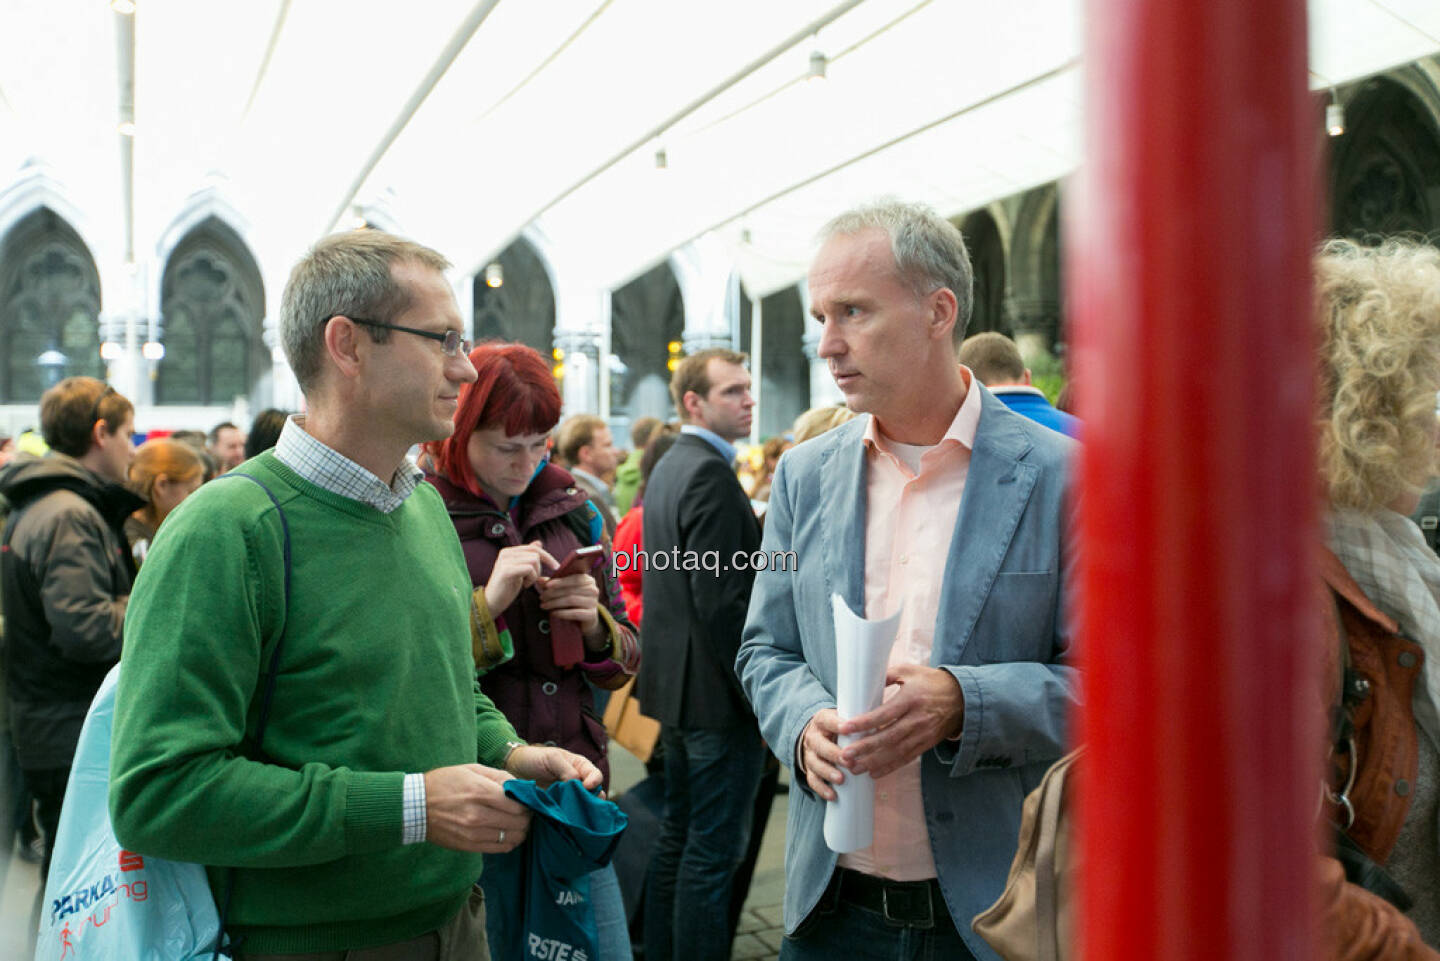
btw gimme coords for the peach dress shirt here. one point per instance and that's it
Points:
(910, 518)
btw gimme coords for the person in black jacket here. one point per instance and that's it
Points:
(66, 576)
(699, 531)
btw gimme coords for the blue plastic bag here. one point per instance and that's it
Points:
(106, 904)
(537, 897)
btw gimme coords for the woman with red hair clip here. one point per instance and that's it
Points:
(519, 517)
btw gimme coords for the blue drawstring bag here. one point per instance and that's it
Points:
(537, 897)
(103, 903)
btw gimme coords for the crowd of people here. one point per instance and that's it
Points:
(428, 555)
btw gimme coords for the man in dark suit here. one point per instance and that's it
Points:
(699, 533)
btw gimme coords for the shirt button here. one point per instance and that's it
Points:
(884, 795)
(549, 687)
(571, 491)
(1407, 659)
(543, 627)
(497, 529)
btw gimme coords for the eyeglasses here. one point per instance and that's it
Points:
(95, 411)
(451, 342)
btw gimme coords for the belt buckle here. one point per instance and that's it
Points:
(914, 919)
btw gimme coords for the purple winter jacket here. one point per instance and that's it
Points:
(547, 704)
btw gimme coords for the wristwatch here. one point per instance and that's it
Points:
(510, 748)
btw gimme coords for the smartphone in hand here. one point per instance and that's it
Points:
(578, 561)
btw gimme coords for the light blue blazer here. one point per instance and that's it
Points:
(1001, 631)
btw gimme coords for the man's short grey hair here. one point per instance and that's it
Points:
(346, 273)
(994, 358)
(928, 249)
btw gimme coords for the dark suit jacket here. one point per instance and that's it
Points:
(693, 618)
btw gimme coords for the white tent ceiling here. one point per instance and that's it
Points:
(466, 121)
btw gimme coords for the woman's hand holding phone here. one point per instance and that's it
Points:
(571, 594)
(516, 568)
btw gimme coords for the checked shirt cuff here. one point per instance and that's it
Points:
(412, 829)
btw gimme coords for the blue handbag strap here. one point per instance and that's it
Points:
(272, 671)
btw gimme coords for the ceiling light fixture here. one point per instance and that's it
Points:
(494, 275)
(126, 128)
(1334, 115)
(125, 7)
(661, 160)
(153, 350)
(818, 63)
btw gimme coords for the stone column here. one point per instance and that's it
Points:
(580, 387)
(464, 288)
(285, 393)
(703, 271)
(822, 385)
(122, 333)
(1036, 324)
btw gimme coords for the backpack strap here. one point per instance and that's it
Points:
(586, 524)
(272, 671)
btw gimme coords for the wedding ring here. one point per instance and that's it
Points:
(501, 838)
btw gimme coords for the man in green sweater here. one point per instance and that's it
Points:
(359, 823)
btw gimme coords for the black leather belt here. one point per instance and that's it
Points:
(916, 904)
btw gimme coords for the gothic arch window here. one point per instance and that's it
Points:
(1036, 303)
(1051, 282)
(646, 316)
(987, 257)
(785, 387)
(522, 308)
(212, 308)
(1385, 169)
(49, 308)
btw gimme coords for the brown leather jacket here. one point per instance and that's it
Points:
(1383, 670)
(1373, 772)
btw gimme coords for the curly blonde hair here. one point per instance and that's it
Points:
(818, 420)
(1379, 314)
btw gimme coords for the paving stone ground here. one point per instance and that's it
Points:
(17, 897)
(756, 939)
(758, 934)
(761, 928)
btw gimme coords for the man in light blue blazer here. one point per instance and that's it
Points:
(947, 506)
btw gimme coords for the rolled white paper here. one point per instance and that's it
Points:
(862, 653)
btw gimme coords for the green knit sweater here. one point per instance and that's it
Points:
(376, 680)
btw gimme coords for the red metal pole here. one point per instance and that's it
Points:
(1189, 241)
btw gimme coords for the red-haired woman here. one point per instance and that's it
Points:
(518, 516)
(164, 472)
